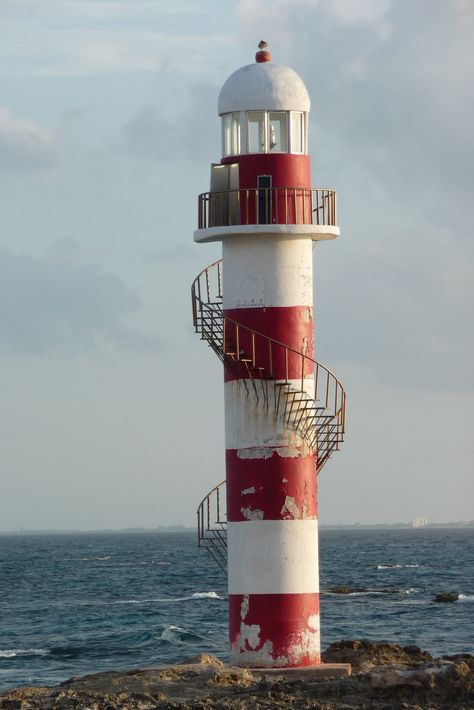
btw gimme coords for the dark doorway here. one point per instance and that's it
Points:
(264, 183)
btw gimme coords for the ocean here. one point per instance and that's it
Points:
(72, 604)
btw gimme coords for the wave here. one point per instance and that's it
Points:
(365, 591)
(172, 600)
(14, 652)
(396, 565)
(466, 598)
(178, 635)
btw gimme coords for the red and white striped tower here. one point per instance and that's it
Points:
(263, 185)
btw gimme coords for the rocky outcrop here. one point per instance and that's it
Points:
(385, 676)
(446, 597)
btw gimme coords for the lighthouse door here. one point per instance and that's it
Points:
(224, 195)
(264, 183)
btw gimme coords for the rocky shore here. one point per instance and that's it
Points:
(384, 676)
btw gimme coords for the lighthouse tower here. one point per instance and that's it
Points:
(284, 411)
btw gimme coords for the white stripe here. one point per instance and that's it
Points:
(273, 557)
(249, 423)
(269, 271)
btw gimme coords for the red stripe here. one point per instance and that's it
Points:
(286, 637)
(287, 170)
(290, 325)
(281, 487)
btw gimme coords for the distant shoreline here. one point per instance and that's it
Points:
(462, 525)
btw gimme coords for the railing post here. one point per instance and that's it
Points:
(219, 280)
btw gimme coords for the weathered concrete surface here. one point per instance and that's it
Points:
(384, 676)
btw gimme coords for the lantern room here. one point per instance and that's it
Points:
(263, 178)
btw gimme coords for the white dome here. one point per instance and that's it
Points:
(263, 87)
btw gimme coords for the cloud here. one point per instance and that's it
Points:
(402, 316)
(48, 305)
(85, 38)
(392, 105)
(193, 134)
(24, 145)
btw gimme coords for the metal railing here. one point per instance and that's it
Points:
(305, 394)
(271, 205)
(300, 392)
(212, 521)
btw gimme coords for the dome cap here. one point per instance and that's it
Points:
(263, 87)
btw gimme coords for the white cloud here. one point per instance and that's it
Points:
(76, 38)
(52, 304)
(24, 145)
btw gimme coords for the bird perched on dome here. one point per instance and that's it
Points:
(263, 55)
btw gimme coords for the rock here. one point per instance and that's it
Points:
(364, 655)
(446, 597)
(397, 678)
(206, 659)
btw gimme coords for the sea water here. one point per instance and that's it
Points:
(81, 603)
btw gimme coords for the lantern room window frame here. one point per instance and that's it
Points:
(252, 132)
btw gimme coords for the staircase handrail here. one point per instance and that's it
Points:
(339, 413)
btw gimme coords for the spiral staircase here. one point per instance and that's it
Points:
(312, 406)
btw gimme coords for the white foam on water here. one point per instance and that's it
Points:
(13, 652)
(172, 633)
(396, 566)
(171, 600)
(466, 598)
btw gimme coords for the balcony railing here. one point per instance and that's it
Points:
(271, 205)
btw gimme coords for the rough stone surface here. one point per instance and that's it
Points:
(446, 597)
(384, 676)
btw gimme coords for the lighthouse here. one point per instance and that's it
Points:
(284, 411)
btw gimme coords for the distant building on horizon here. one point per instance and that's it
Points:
(419, 522)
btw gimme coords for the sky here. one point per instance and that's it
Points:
(112, 408)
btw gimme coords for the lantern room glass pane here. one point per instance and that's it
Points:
(231, 134)
(235, 127)
(256, 131)
(297, 132)
(227, 133)
(277, 135)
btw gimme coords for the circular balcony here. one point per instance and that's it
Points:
(295, 211)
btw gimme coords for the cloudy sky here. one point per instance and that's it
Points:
(107, 128)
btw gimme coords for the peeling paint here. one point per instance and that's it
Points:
(247, 491)
(284, 480)
(249, 634)
(313, 622)
(261, 658)
(307, 646)
(290, 508)
(244, 607)
(266, 452)
(307, 315)
(250, 514)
